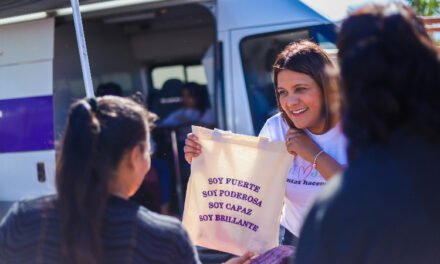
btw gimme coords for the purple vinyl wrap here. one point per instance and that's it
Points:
(26, 124)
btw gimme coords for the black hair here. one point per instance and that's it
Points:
(98, 134)
(110, 88)
(390, 76)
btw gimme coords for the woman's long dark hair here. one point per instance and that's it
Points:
(308, 58)
(98, 134)
(390, 76)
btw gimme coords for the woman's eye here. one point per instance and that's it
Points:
(281, 92)
(300, 89)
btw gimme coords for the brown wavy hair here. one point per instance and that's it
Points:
(309, 58)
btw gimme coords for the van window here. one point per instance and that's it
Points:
(196, 73)
(191, 73)
(161, 74)
(258, 53)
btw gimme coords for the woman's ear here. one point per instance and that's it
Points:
(136, 155)
(140, 161)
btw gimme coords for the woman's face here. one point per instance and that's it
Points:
(188, 100)
(143, 165)
(301, 99)
(131, 171)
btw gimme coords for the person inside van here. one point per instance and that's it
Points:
(110, 88)
(91, 219)
(195, 108)
(385, 208)
(308, 122)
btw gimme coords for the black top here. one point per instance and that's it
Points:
(384, 209)
(30, 233)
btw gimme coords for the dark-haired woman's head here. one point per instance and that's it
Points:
(390, 75)
(110, 88)
(304, 88)
(105, 150)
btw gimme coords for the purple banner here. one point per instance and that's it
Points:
(26, 124)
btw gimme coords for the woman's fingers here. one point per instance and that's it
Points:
(192, 148)
(244, 259)
(192, 141)
(190, 153)
(293, 132)
(292, 137)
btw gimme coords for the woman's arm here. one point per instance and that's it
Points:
(328, 166)
(299, 143)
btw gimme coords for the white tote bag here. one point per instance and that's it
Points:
(235, 193)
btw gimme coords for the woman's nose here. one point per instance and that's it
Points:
(292, 100)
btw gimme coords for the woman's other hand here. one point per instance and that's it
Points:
(299, 143)
(192, 148)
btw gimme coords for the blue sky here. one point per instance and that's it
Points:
(337, 9)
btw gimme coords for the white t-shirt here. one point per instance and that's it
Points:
(303, 182)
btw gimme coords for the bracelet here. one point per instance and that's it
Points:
(316, 158)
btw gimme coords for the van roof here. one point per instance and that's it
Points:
(22, 7)
(334, 10)
(337, 10)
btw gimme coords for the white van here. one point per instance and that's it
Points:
(226, 45)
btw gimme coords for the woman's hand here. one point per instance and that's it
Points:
(299, 143)
(192, 148)
(244, 259)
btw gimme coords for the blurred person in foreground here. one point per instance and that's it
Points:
(385, 208)
(90, 219)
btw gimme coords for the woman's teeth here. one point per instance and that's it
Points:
(299, 111)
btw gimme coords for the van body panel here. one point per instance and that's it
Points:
(35, 79)
(19, 177)
(27, 124)
(26, 42)
(224, 38)
(26, 110)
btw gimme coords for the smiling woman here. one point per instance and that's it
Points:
(309, 125)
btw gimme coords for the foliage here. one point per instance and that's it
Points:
(425, 7)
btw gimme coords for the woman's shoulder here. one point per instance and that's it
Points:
(167, 232)
(149, 220)
(275, 119)
(26, 216)
(32, 205)
(275, 128)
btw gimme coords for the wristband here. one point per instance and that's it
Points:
(316, 158)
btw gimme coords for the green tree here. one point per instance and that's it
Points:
(425, 7)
